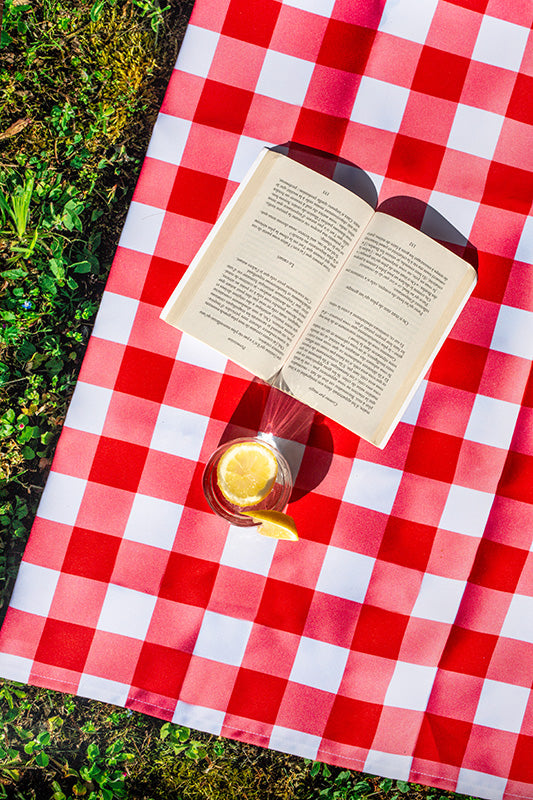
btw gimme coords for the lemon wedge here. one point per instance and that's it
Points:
(275, 524)
(246, 473)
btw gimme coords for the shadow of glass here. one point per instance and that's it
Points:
(264, 409)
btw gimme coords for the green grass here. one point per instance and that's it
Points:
(80, 87)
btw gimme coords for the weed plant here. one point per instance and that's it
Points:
(80, 87)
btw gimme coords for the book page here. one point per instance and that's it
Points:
(371, 340)
(267, 263)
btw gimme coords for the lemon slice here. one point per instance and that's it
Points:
(274, 524)
(246, 473)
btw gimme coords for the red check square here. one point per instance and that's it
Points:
(415, 162)
(240, 402)
(440, 73)
(498, 566)
(319, 130)
(251, 20)
(473, 5)
(144, 374)
(407, 543)
(246, 701)
(197, 194)
(346, 46)
(188, 580)
(353, 722)
(459, 364)
(118, 464)
(167, 679)
(520, 107)
(316, 515)
(65, 645)
(522, 765)
(433, 454)
(284, 606)
(468, 652)
(223, 107)
(508, 187)
(443, 739)
(379, 632)
(493, 275)
(516, 478)
(91, 554)
(162, 278)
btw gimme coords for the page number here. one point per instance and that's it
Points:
(412, 244)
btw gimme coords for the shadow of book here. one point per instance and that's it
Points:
(428, 220)
(337, 169)
(415, 212)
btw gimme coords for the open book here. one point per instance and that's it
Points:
(304, 285)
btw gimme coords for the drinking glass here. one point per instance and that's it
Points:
(276, 499)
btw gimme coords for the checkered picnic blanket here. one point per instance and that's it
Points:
(397, 636)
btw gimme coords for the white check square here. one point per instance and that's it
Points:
(345, 574)
(524, 251)
(104, 690)
(321, 7)
(518, 623)
(169, 138)
(480, 784)
(410, 415)
(247, 552)
(388, 765)
(34, 589)
(500, 43)
(501, 706)
(287, 740)
(409, 19)
(319, 664)
(126, 612)
(466, 511)
(179, 433)
(439, 598)
(115, 318)
(201, 718)
(247, 151)
(142, 228)
(284, 78)
(15, 668)
(192, 351)
(222, 638)
(457, 211)
(475, 131)
(61, 499)
(513, 332)
(379, 104)
(372, 486)
(197, 51)
(88, 408)
(410, 686)
(153, 521)
(492, 421)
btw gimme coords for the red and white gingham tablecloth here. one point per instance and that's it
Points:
(397, 636)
